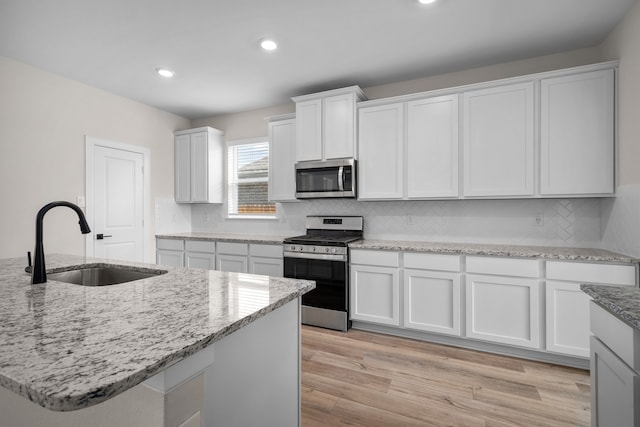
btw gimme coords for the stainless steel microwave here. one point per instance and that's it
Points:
(326, 179)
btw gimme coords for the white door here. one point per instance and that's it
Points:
(118, 204)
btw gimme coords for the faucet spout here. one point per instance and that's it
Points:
(39, 272)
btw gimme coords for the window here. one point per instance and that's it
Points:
(249, 180)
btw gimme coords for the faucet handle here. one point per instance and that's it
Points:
(28, 268)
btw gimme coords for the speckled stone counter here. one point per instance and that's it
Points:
(225, 237)
(541, 252)
(67, 347)
(622, 301)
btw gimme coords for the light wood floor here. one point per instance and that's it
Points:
(365, 379)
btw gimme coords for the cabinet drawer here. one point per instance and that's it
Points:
(503, 266)
(379, 258)
(233, 248)
(270, 251)
(617, 335)
(432, 261)
(200, 246)
(592, 273)
(170, 244)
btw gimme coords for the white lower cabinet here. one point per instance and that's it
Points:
(567, 319)
(375, 288)
(503, 309)
(232, 263)
(375, 294)
(567, 307)
(615, 371)
(432, 298)
(266, 260)
(170, 252)
(200, 254)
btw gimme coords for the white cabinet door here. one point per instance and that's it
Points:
(168, 257)
(503, 309)
(381, 134)
(206, 261)
(199, 165)
(266, 266)
(309, 130)
(282, 160)
(432, 301)
(183, 168)
(432, 147)
(567, 318)
(233, 263)
(577, 134)
(498, 139)
(338, 129)
(615, 389)
(375, 294)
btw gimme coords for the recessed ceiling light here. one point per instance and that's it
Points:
(268, 44)
(164, 72)
(426, 1)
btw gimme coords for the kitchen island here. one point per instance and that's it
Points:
(615, 355)
(187, 347)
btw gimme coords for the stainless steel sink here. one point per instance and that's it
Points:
(103, 275)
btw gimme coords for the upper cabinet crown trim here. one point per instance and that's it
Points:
(200, 129)
(491, 83)
(356, 90)
(280, 117)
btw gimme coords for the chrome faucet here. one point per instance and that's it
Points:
(39, 273)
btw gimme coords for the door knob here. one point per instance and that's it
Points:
(101, 236)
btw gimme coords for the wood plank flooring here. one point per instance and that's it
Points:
(366, 379)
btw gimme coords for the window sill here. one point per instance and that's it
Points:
(258, 217)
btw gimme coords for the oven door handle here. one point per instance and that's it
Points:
(326, 257)
(341, 178)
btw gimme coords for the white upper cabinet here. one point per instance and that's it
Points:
(326, 124)
(409, 150)
(498, 141)
(282, 158)
(309, 130)
(577, 134)
(432, 147)
(199, 165)
(381, 139)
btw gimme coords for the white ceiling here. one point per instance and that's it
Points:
(212, 45)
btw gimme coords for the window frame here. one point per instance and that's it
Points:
(227, 205)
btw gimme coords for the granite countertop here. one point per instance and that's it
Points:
(622, 301)
(67, 347)
(541, 252)
(226, 237)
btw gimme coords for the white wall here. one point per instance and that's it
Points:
(621, 216)
(567, 222)
(43, 122)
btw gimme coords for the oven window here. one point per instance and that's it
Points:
(330, 277)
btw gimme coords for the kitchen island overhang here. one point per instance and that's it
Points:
(67, 347)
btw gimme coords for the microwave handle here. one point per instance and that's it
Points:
(341, 178)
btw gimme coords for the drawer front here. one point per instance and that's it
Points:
(503, 266)
(611, 274)
(233, 248)
(200, 246)
(170, 244)
(432, 261)
(269, 251)
(378, 258)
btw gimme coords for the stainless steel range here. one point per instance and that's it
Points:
(322, 255)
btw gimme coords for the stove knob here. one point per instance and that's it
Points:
(334, 250)
(313, 249)
(326, 249)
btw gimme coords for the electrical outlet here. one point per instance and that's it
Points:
(538, 220)
(81, 202)
(206, 217)
(409, 219)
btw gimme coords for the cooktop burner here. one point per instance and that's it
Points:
(330, 231)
